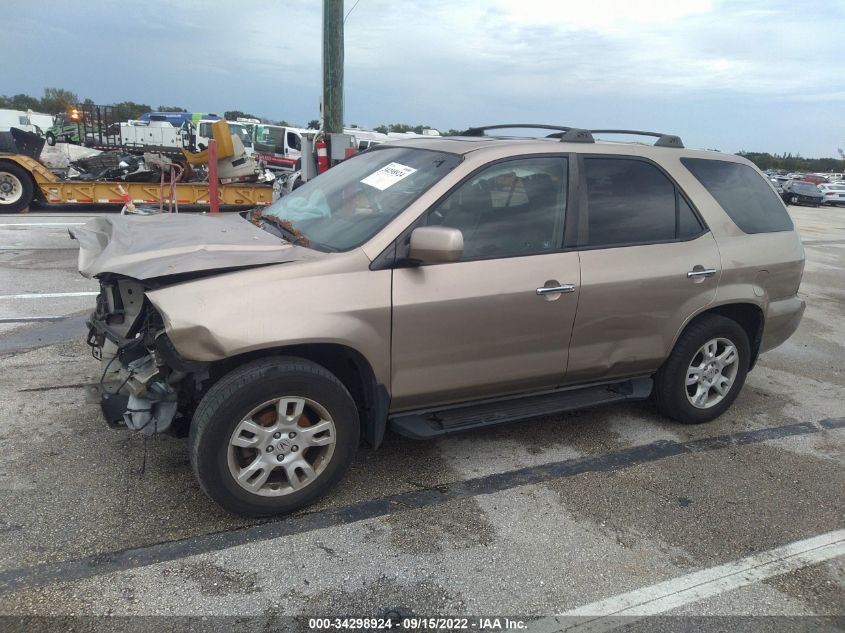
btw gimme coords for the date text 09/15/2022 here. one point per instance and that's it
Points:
(417, 623)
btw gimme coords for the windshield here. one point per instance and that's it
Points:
(242, 133)
(805, 187)
(347, 205)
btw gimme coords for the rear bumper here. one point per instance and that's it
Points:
(782, 319)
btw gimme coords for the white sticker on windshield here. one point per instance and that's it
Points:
(388, 175)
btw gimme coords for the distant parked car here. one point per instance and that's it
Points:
(815, 179)
(801, 192)
(833, 194)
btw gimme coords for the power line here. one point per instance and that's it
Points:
(350, 10)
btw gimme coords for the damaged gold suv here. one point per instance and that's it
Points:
(436, 285)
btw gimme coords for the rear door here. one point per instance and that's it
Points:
(647, 263)
(499, 320)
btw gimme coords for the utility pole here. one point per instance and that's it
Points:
(333, 66)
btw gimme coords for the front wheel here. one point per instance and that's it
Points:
(705, 372)
(272, 436)
(51, 139)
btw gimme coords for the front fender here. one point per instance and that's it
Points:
(336, 299)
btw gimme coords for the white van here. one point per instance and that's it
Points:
(242, 130)
(279, 147)
(29, 121)
(365, 139)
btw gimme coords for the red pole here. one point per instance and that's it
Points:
(213, 195)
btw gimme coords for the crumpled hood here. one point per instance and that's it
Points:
(144, 247)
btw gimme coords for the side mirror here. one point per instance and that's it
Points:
(436, 245)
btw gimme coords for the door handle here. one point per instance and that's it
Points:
(554, 289)
(699, 274)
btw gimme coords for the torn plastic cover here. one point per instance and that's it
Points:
(152, 414)
(145, 247)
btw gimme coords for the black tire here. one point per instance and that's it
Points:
(51, 139)
(670, 390)
(16, 176)
(242, 390)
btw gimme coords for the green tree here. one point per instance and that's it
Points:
(20, 102)
(788, 162)
(56, 100)
(401, 128)
(233, 115)
(126, 110)
(314, 124)
(162, 108)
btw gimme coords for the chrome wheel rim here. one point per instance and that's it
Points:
(281, 446)
(712, 373)
(11, 188)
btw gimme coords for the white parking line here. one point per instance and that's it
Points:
(50, 295)
(625, 608)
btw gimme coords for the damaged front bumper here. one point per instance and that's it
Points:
(143, 378)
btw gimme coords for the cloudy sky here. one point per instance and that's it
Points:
(745, 75)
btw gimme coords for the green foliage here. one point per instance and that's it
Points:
(57, 100)
(790, 163)
(404, 127)
(126, 110)
(20, 102)
(314, 124)
(233, 115)
(162, 108)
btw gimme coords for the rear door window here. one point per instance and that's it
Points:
(743, 193)
(633, 202)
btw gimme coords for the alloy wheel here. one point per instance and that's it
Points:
(712, 373)
(281, 446)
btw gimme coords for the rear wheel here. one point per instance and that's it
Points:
(272, 436)
(705, 372)
(16, 188)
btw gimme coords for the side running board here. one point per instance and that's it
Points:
(427, 424)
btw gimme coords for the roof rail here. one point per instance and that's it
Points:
(567, 134)
(578, 135)
(663, 140)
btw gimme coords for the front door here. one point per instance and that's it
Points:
(499, 320)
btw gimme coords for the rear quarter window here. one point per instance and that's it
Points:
(745, 196)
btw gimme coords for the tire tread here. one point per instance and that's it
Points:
(671, 401)
(228, 387)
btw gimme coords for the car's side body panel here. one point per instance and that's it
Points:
(633, 301)
(478, 328)
(336, 299)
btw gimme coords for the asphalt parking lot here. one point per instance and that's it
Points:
(612, 511)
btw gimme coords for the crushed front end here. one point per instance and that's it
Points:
(144, 385)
